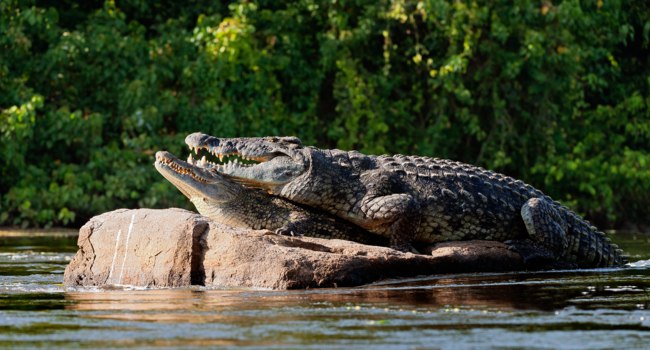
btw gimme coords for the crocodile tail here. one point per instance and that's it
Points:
(589, 247)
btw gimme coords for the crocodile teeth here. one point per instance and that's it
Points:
(203, 161)
(220, 157)
(190, 159)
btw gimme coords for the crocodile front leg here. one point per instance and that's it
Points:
(310, 227)
(396, 214)
(329, 228)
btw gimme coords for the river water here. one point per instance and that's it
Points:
(588, 309)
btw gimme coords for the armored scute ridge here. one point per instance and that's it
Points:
(411, 199)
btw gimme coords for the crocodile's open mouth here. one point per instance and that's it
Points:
(256, 162)
(179, 167)
(221, 162)
(194, 180)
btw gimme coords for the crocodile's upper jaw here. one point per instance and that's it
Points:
(264, 162)
(194, 181)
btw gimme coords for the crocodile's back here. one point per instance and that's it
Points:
(459, 201)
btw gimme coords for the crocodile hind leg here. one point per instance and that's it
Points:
(385, 205)
(545, 225)
(547, 234)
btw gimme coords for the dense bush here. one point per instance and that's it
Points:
(554, 92)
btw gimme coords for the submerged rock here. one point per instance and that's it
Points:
(175, 248)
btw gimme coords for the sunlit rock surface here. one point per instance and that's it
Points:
(142, 247)
(176, 248)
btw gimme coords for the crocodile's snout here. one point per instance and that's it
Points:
(199, 139)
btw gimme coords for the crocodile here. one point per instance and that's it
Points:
(410, 199)
(229, 203)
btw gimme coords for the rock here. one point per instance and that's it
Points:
(174, 247)
(263, 259)
(143, 247)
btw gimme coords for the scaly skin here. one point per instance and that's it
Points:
(412, 199)
(229, 203)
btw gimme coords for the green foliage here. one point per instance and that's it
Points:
(554, 92)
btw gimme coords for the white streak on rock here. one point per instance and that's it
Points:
(126, 248)
(117, 242)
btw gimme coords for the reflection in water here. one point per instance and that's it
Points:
(506, 292)
(432, 295)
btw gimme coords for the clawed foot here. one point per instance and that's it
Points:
(405, 248)
(286, 231)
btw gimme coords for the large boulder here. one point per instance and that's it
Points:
(174, 248)
(142, 247)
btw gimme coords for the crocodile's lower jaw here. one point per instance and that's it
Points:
(178, 168)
